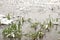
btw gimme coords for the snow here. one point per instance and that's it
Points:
(5, 20)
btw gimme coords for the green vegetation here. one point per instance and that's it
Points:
(40, 34)
(0, 22)
(8, 16)
(14, 30)
(34, 25)
(33, 36)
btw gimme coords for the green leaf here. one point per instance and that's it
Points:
(8, 16)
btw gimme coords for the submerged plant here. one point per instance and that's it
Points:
(40, 34)
(50, 24)
(57, 19)
(44, 26)
(34, 25)
(13, 31)
(33, 36)
(0, 22)
(8, 16)
(21, 20)
(7, 31)
(59, 32)
(29, 20)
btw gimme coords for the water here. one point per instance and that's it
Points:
(52, 35)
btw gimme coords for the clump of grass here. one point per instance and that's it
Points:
(40, 34)
(50, 24)
(33, 36)
(8, 16)
(29, 20)
(14, 30)
(59, 32)
(7, 32)
(0, 22)
(34, 25)
(57, 19)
